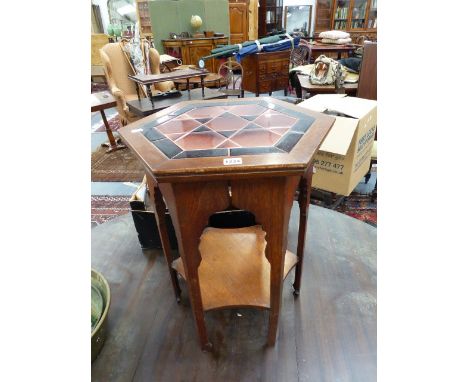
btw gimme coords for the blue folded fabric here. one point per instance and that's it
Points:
(274, 47)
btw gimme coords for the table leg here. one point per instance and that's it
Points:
(112, 145)
(138, 91)
(160, 208)
(188, 85)
(150, 95)
(305, 187)
(272, 211)
(191, 205)
(202, 80)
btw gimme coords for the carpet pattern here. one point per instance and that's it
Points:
(105, 208)
(358, 206)
(117, 166)
(114, 124)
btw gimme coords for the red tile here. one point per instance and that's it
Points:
(255, 138)
(275, 119)
(199, 141)
(227, 122)
(248, 109)
(173, 137)
(280, 130)
(228, 144)
(178, 126)
(205, 112)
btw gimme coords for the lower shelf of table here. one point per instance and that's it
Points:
(234, 271)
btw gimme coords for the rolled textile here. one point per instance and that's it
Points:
(229, 50)
(273, 47)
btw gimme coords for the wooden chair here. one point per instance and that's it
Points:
(300, 55)
(367, 88)
(367, 85)
(230, 81)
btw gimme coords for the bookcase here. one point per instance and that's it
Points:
(144, 18)
(270, 16)
(358, 17)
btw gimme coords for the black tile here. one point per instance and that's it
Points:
(255, 150)
(200, 129)
(148, 125)
(289, 141)
(249, 117)
(227, 114)
(169, 148)
(163, 119)
(227, 134)
(153, 134)
(202, 153)
(301, 126)
(183, 110)
(203, 120)
(251, 126)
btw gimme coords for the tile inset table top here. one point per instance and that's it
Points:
(197, 137)
(221, 129)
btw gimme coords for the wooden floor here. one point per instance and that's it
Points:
(328, 333)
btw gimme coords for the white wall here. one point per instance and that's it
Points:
(104, 12)
(302, 2)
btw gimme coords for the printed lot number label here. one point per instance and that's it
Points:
(231, 161)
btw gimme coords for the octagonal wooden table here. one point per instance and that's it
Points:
(204, 157)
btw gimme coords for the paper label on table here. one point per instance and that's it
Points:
(229, 161)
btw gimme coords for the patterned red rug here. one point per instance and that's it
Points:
(358, 206)
(114, 122)
(105, 208)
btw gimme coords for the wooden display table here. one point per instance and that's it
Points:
(303, 79)
(144, 106)
(204, 157)
(149, 79)
(190, 50)
(99, 102)
(330, 50)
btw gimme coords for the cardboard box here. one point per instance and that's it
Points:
(344, 156)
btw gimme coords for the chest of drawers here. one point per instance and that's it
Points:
(266, 72)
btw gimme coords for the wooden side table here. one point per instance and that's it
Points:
(99, 102)
(211, 156)
(266, 72)
(304, 81)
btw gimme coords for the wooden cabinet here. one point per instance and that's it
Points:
(358, 17)
(190, 50)
(266, 72)
(270, 16)
(142, 10)
(239, 21)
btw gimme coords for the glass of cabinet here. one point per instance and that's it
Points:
(358, 16)
(341, 15)
(355, 14)
(372, 17)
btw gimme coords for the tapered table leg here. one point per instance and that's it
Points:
(160, 207)
(305, 187)
(191, 205)
(112, 144)
(270, 200)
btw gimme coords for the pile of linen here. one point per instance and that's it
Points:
(335, 37)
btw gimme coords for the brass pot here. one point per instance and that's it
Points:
(100, 303)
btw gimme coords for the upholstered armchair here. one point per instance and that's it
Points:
(117, 69)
